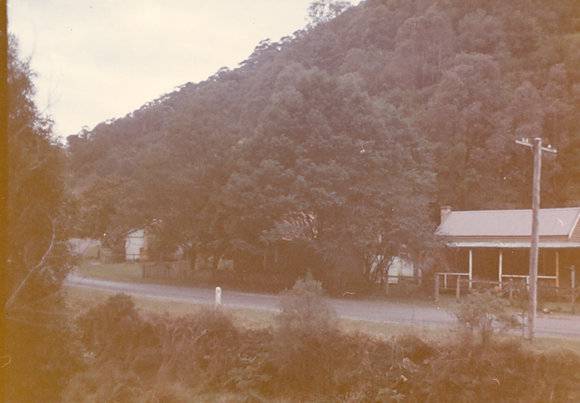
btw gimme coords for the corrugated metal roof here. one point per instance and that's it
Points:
(509, 223)
(513, 244)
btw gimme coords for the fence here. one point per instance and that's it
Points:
(178, 270)
(516, 287)
(401, 285)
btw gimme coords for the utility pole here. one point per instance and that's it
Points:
(537, 148)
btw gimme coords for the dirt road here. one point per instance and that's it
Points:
(376, 311)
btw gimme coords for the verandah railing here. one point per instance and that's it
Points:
(513, 287)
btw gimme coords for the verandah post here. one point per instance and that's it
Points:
(558, 269)
(573, 287)
(500, 268)
(470, 267)
(436, 288)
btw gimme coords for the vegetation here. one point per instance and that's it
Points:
(338, 143)
(39, 349)
(79, 300)
(127, 272)
(318, 154)
(305, 356)
(485, 313)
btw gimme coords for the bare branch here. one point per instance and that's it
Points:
(40, 265)
(8, 361)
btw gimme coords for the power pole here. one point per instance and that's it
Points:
(537, 147)
(3, 185)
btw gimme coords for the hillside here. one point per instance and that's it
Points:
(367, 122)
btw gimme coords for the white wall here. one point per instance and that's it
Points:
(80, 246)
(400, 267)
(134, 242)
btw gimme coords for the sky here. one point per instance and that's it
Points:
(102, 59)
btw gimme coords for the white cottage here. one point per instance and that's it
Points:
(395, 268)
(400, 267)
(135, 244)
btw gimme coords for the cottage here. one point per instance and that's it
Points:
(494, 245)
(136, 241)
(85, 248)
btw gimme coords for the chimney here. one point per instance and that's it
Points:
(445, 211)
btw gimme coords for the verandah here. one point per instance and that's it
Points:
(502, 265)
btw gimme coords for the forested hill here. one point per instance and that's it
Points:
(368, 122)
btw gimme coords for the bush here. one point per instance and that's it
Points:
(107, 382)
(168, 393)
(484, 313)
(40, 354)
(303, 308)
(306, 357)
(413, 348)
(306, 340)
(199, 349)
(114, 330)
(507, 373)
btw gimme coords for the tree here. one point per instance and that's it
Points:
(434, 93)
(39, 347)
(423, 44)
(306, 158)
(325, 10)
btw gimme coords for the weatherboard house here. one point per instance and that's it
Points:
(494, 245)
(136, 243)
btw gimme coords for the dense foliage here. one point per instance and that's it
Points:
(304, 357)
(364, 123)
(38, 352)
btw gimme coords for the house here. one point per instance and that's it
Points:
(302, 226)
(136, 242)
(85, 248)
(494, 245)
(399, 267)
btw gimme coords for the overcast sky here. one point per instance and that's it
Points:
(102, 59)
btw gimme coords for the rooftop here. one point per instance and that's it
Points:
(509, 223)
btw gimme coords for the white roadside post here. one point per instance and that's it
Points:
(218, 296)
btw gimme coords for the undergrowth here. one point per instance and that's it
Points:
(305, 356)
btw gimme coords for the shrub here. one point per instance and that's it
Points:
(196, 350)
(199, 349)
(114, 330)
(306, 339)
(508, 372)
(40, 354)
(307, 357)
(484, 313)
(107, 382)
(303, 308)
(413, 348)
(168, 392)
(255, 369)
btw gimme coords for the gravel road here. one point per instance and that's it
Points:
(376, 311)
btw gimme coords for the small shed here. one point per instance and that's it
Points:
(495, 244)
(399, 267)
(136, 241)
(85, 248)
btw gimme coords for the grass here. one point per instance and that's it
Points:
(80, 299)
(125, 272)
(448, 301)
